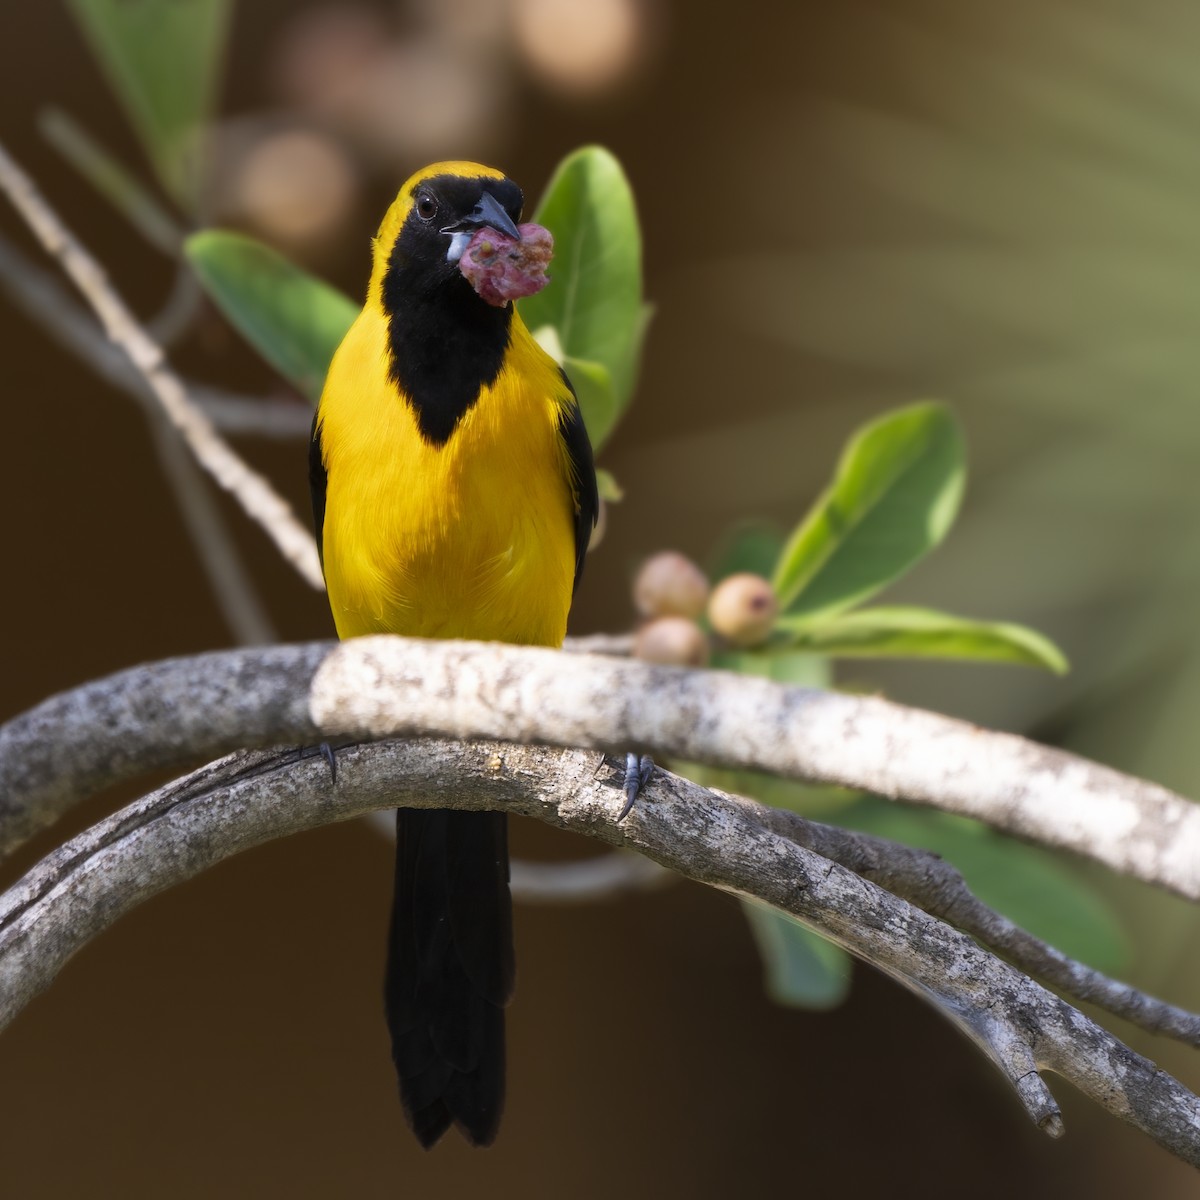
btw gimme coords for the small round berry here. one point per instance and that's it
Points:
(673, 642)
(743, 608)
(670, 585)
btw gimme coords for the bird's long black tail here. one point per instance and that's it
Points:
(450, 970)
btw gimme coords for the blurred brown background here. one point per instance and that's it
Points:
(845, 207)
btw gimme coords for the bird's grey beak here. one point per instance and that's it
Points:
(486, 212)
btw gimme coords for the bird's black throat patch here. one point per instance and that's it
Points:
(446, 343)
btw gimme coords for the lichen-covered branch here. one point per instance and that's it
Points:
(182, 711)
(937, 886)
(240, 802)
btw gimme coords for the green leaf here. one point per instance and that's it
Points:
(753, 546)
(802, 969)
(895, 494)
(162, 57)
(595, 302)
(290, 317)
(921, 633)
(1032, 887)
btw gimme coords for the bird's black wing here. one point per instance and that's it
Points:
(318, 481)
(583, 471)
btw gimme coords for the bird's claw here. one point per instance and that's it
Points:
(328, 755)
(637, 775)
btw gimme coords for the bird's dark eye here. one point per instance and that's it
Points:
(426, 206)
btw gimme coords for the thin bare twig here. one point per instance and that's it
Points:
(250, 798)
(603, 877)
(45, 301)
(38, 294)
(255, 494)
(277, 418)
(110, 178)
(184, 710)
(232, 587)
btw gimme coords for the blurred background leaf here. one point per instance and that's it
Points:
(111, 179)
(163, 58)
(801, 968)
(747, 546)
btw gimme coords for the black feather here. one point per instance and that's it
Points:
(318, 482)
(450, 970)
(583, 481)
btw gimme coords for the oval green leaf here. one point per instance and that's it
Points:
(294, 320)
(163, 58)
(801, 969)
(895, 494)
(901, 632)
(594, 303)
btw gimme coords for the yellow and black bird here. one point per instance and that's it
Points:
(454, 495)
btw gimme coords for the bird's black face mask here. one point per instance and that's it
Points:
(446, 211)
(445, 342)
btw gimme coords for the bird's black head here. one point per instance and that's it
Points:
(435, 216)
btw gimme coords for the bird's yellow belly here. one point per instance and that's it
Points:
(482, 549)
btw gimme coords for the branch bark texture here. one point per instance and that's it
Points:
(187, 710)
(250, 798)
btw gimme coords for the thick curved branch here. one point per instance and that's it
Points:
(171, 713)
(938, 887)
(248, 799)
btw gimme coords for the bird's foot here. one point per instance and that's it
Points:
(637, 775)
(326, 751)
(328, 755)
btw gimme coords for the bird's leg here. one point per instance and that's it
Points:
(637, 775)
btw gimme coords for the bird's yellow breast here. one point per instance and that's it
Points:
(473, 538)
